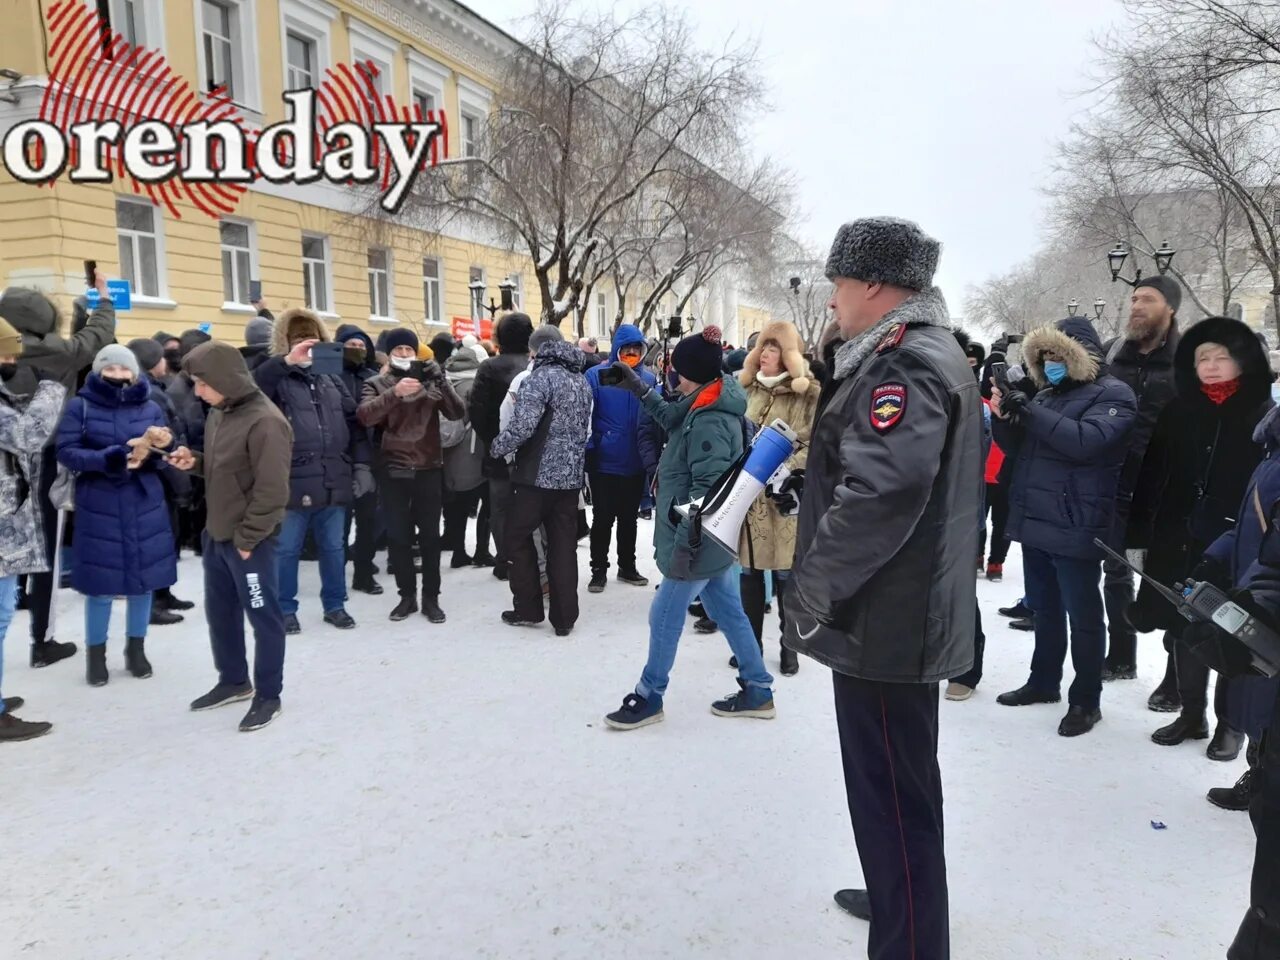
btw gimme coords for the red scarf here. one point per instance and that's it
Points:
(1220, 393)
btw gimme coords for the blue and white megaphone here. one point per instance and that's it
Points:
(719, 514)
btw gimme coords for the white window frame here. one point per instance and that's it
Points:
(152, 15)
(326, 262)
(473, 101)
(438, 281)
(244, 52)
(517, 290)
(602, 313)
(389, 316)
(370, 44)
(235, 306)
(312, 19)
(161, 296)
(426, 76)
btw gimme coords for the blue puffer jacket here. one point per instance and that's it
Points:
(622, 437)
(123, 543)
(1068, 448)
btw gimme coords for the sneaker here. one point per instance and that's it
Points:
(13, 729)
(13, 703)
(135, 658)
(958, 691)
(45, 653)
(1026, 626)
(513, 619)
(160, 617)
(632, 577)
(1026, 695)
(995, 572)
(262, 712)
(404, 608)
(431, 610)
(1122, 672)
(341, 619)
(168, 601)
(367, 585)
(1018, 611)
(460, 560)
(1236, 797)
(223, 694)
(1079, 720)
(636, 711)
(291, 625)
(697, 610)
(706, 625)
(96, 665)
(856, 903)
(756, 702)
(599, 580)
(483, 560)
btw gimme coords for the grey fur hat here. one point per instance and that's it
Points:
(884, 250)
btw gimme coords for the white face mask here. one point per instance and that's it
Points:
(401, 363)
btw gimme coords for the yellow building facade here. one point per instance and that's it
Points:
(305, 244)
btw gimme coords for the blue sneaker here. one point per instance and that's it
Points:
(635, 712)
(754, 702)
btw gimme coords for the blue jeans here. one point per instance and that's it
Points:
(8, 602)
(1059, 588)
(97, 618)
(723, 604)
(329, 525)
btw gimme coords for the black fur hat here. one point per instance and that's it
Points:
(884, 250)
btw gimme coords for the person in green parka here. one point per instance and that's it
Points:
(705, 427)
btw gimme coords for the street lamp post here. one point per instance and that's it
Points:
(1099, 306)
(1116, 257)
(1073, 307)
(507, 288)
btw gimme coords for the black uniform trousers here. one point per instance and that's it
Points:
(889, 744)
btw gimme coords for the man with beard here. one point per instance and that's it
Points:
(1144, 361)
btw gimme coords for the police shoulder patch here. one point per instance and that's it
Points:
(888, 405)
(892, 338)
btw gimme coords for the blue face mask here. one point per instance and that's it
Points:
(1055, 371)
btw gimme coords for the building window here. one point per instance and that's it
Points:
(431, 290)
(470, 135)
(379, 283)
(139, 23)
(237, 260)
(370, 45)
(602, 314)
(300, 54)
(476, 275)
(219, 49)
(139, 246)
(315, 273)
(424, 102)
(517, 290)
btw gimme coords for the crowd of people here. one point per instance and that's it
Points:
(307, 444)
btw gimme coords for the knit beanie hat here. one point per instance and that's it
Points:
(442, 347)
(698, 356)
(148, 352)
(402, 337)
(114, 354)
(884, 250)
(546, 333)
(1167, 287)
(258, 332)
(10, 339)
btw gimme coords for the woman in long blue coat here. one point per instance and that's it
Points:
(123, 540)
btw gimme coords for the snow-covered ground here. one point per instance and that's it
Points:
(450, 792)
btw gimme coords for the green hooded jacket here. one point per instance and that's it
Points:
(705, 434)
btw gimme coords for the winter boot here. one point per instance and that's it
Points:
(406, 606)
(96, 665)
(11, 728)
(431, 610)
(135, 658)
(1236, 797)
(460, 560)
(1079, 720)
(790, 663)
(366, 584)
(1190, 725)
(1122, 671)
(599, 580)
(45, 653)
(1226, 744)
(513, 619)
(1165, 698)
(754, 702)
(483, 559)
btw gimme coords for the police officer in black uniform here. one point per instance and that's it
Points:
(882, 590)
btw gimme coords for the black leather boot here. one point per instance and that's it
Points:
(1190, 725)
(1226, 743)
(96, 665)
(135, 658)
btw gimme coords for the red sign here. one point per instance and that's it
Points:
(465, 325)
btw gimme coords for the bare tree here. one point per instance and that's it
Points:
(792, 283)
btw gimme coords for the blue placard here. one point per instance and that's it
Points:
(121, 295)
(205, 328)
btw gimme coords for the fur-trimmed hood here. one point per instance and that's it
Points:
(787, 337)
(297, 321)
(1075, 340)
(1244, 347)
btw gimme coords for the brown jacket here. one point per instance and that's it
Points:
(409, 427)
(248, 450)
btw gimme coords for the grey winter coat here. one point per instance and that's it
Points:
(882, 587)
(549, 430)
(464, 461)
(36, 318)
(25, 428)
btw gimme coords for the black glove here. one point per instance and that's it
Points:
(1013, 404)
(1212, 571)
(1221, 651)
(1142, 615)
(786, 496)
(629, 380)
(431, 372)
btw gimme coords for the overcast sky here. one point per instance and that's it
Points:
(948, 114)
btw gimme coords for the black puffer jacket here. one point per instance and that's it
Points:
(1068, 446)
(882, 587)
(493, 380)
(1197, 465)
